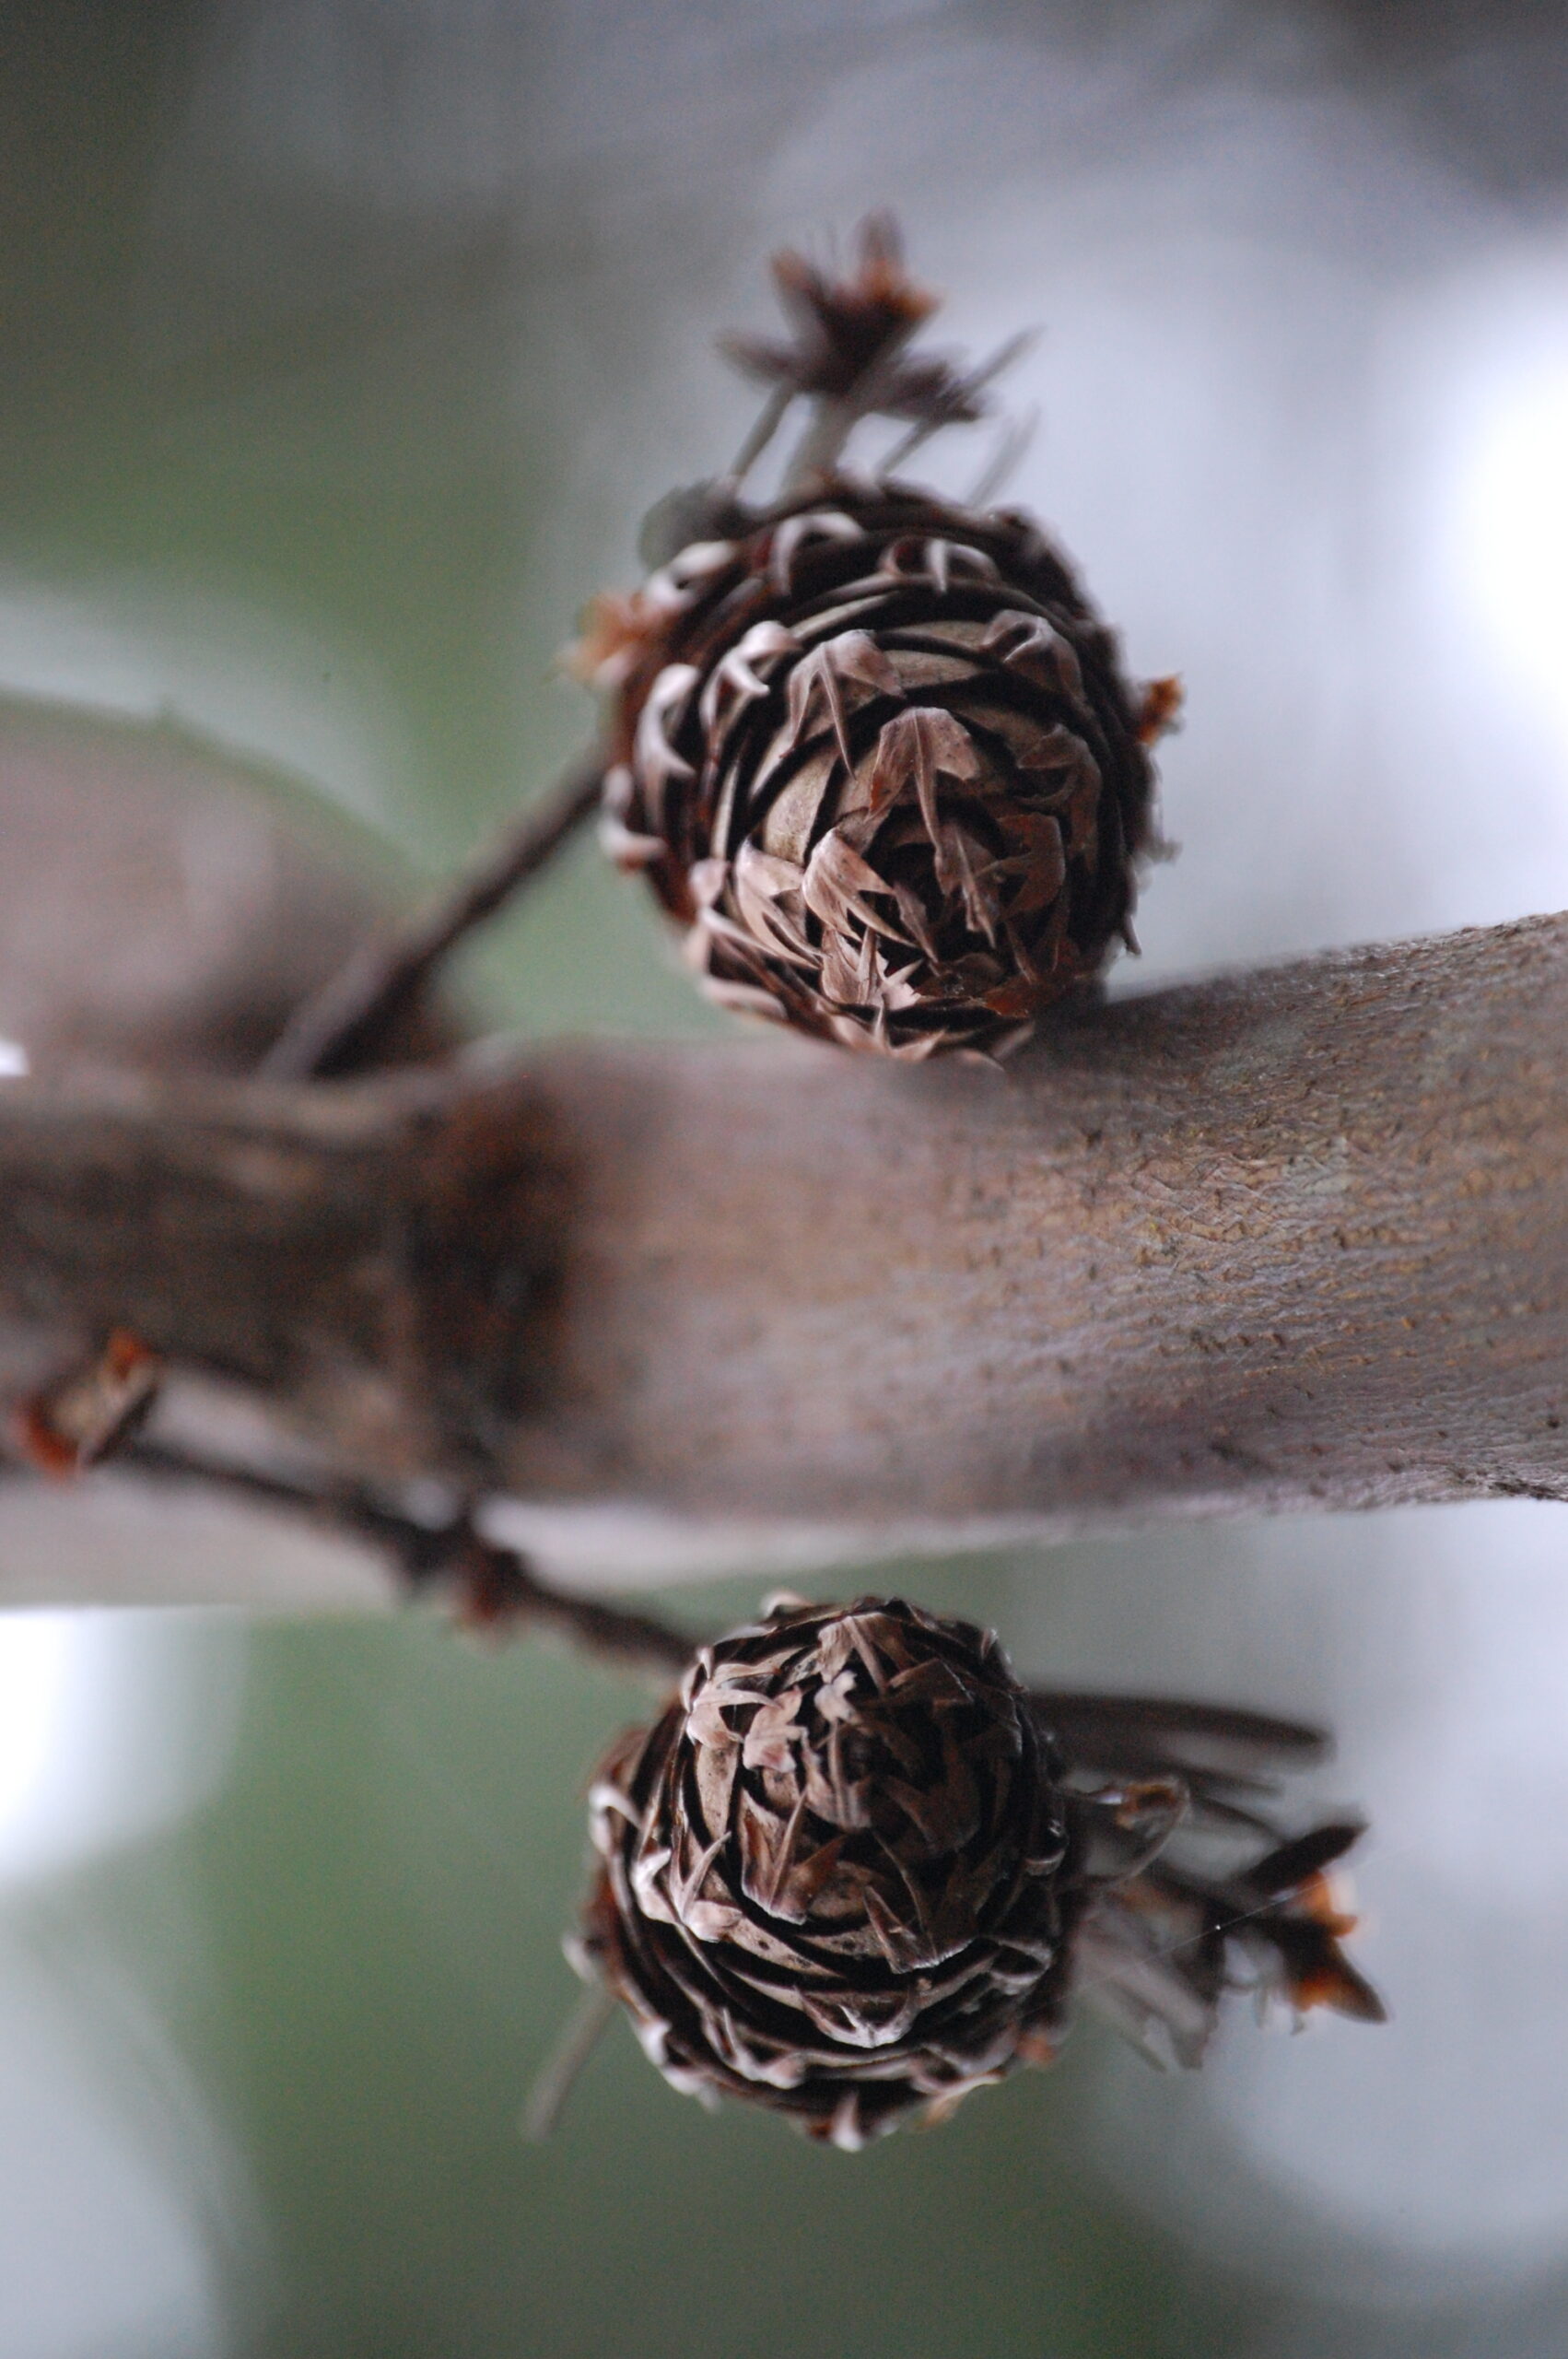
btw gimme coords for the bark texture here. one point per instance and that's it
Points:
(1292, 1238)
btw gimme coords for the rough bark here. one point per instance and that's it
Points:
(1290, 1239)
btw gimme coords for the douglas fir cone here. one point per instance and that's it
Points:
(874, 752)
(856, 1870)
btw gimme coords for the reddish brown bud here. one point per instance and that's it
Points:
(91, 1408)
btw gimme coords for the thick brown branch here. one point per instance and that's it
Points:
(1294, 1237)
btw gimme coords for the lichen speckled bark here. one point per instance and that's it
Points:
(1292, 1237)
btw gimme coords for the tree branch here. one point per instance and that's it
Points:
(494, 1584)
(345, 1024)
(1292, 1238)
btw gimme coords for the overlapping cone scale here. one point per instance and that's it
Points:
(829, 1875)
(878, 759)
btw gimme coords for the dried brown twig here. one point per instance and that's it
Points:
(340, 1028)
(494, 1586)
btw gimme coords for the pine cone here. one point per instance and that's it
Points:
(874, 752)
(848, 1874)
(884, 770)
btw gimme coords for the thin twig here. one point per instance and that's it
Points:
(341, 1027)
(494, 1585)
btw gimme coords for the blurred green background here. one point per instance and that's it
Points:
(344, 344)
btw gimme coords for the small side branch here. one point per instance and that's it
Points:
(493, 1586)
(342, 1028)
